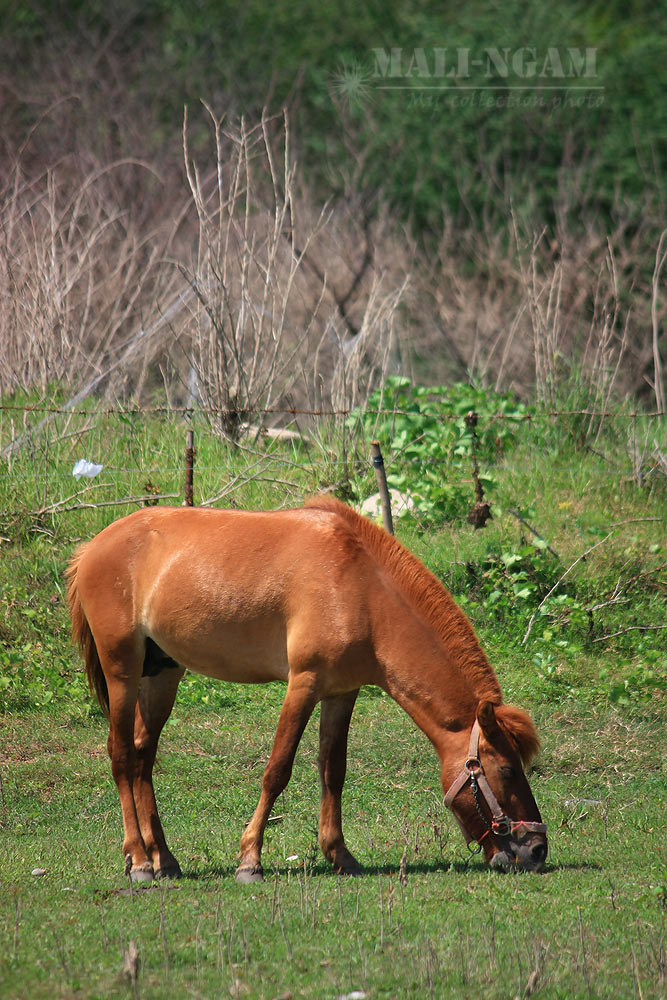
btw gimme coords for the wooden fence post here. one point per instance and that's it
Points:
(380, 475)
(189, 468)
(481, 511)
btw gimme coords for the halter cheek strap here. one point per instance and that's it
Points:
(473, 772)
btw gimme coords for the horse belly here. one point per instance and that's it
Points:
(253, 651)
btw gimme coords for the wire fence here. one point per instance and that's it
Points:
(39, 460)
(245, 412)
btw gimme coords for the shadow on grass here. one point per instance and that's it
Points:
(583, 866)
(321, 870)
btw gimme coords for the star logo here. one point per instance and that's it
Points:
(352, 83)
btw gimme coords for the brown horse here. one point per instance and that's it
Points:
(318, 597)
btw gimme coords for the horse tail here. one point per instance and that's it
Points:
(83, 636)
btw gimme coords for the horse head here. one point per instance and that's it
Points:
(490, 795)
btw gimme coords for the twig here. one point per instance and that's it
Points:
(240, 481)
(131, 967)
(107, 503)
(635, 974)
(631, 628)
(583, 952)
(532, 530)
(52, 507)
(60, 950)
(163, 933)
(2, 800)
(381, 911)
(659, 387)
(17, 922)
(284, 932)
(634, 520)
(558, 583)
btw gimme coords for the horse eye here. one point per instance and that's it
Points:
(508, 771)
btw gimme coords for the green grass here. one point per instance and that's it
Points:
(592, 926)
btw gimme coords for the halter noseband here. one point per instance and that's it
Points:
(473, 772)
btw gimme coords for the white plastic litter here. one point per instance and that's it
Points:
(85, 468)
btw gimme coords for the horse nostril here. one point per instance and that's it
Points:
(539, 852)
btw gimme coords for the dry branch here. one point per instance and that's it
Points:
(631, 628)
(142, 498)
(658, 378)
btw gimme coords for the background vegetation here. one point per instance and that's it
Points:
(152, 58)
(485, 223)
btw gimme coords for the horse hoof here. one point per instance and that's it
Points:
(142, 873)
(353, 870)
(254, 873)
(169, 871)
(346, 864)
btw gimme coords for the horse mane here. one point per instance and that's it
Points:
(520, 730)
(429, 598)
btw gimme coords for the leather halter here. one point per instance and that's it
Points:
(473, 772)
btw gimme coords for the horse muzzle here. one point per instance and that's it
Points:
(525, 855)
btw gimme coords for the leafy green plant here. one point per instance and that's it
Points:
(642, 682)
(517, 577)
(432, 444)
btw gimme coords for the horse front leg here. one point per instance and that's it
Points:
(154, 705)
(300, 700)
(332, 761)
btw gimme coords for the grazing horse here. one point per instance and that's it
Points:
(318, 597)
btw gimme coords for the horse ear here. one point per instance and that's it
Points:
(486, 717)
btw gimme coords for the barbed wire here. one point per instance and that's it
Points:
(242, 412)
(324, 464)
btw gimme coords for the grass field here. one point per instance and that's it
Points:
(440, 925)
(592, 925)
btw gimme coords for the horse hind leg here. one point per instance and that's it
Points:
(122, 670)
(157, 692)
(334, 726)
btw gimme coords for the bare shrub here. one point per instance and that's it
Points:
(288, 303)
(268, 325)
(658, 377)
(76, 276)
(565, 316)
(567, 371)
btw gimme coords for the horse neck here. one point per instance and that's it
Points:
(422, 676)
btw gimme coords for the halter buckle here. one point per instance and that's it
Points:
(473, 765)
(502, 826)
